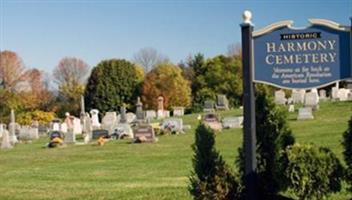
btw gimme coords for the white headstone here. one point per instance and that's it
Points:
(232, 122)
(77, 127)
(178, 111)
(342, 94)
(291, 108)
(5, 143)
(56, 126)
(311, 100)
(280, 97)
(64, 128)
(173, 125)
(150, 114)
(109, 121)
(298, 96)
(160, 114)
(124, 130)
(2, 128)
(305, 113)
(34, 133)
(322, 94)
(334, 93)
(70, 138)
(130, 117)
(95, 118)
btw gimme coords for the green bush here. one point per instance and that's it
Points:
(212, 178)
(347, 153)
(313, 172)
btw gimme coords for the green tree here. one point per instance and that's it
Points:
(273, 136)
(313, 172)
(347, 153)
(166, 80)
(218, 75)
(211, 178)
(111, 84)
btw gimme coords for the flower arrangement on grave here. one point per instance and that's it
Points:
(101, 141)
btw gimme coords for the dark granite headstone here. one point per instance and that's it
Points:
(100, 133)
(144, 133)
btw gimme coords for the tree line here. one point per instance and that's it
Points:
(112, 83)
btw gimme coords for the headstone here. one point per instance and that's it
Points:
(208, 106)
(305, 113)
(298, 96)
(2, 128)
(342, 94)
(334, 93)
(280, 97)
(291, 108)
(311, 100)
(232, 122)
(77, 126)
(95, 118)
(109, 121)
(12, 129)
(70, 138)
(140, 115)
(178, 111)
(63, 128)
(69, 121)
(322, 95)
(24, 133)
(100, 133)
(173, 125)
(123, 118)
(87, 128)
(5, 143)
(123, 130)
(166, 113)
(130, 117)
(222, 102)
(33, 133)
(349, 98)
(83, 110)
(160, 111)
(144, 133)
(213, 121)
(150, 114)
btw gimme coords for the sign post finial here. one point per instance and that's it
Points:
(247, 17)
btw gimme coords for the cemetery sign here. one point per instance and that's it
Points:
(305, 58)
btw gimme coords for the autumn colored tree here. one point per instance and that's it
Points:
(111, 84)
(166, 80)
(11, 70)
(70, 75)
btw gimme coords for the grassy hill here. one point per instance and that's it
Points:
(120, 170)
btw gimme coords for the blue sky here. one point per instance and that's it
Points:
(44, 31)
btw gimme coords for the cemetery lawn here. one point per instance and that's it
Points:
(120, 170)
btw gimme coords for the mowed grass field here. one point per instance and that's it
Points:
(121, 170)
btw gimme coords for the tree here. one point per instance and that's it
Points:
(273, 136)
(149, 58)
(211, 178)
(166, 80)
(111, 84)
(219, 75)
(11, 70)
(70, 75)
(313, 172)
(347, 153)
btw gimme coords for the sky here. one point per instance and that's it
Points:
(42, 32)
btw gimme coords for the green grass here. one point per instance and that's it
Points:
(120, 170)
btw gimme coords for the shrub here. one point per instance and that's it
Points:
(273, 136)
(212, 178)
(26, 118)
(313, 172)
(347, 153)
